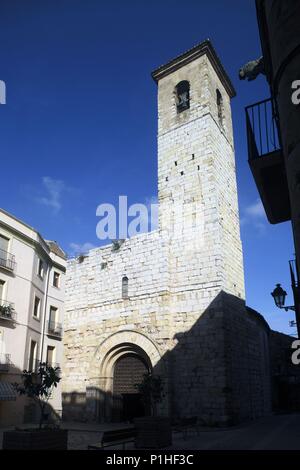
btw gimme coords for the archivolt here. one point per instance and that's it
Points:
(119, 344)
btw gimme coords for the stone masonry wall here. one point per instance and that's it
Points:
(247, 362)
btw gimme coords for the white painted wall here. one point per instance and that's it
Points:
(21, 286)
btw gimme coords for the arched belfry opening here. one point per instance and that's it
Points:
(182, 96)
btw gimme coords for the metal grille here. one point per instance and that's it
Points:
(54, 329)
(7, 260)
(262, 129)
(128, 372)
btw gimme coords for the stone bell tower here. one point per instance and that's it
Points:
(199, 222)
(196, 174)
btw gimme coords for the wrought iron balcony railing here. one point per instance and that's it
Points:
(7, 311)
(4, 362)
(266, 160)
(55, 329)
(262, 129)
(294, 273)
(7, 260)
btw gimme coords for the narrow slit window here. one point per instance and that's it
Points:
(182, 92)
(125, 287)
(220, 106)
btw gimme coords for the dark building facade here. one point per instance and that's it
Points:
(273, 125)
(273, 133)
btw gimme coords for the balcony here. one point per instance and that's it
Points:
(55, 365)
(294, 271)
(7, 260)
(7, 311)
(34, 365)
(54, 329)
(266, 160)
(4, 362)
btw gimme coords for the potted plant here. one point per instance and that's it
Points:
(6, 310)
(152, 431)
(38, 387)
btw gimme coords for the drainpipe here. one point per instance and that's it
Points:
(296, 293)
(45, 311)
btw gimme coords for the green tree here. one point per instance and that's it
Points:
(39, 386)
(151, 390)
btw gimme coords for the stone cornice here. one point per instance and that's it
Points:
(204, 47)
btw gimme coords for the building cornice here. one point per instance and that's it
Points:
(39, 244)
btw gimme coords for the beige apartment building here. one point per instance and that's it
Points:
(32, 272)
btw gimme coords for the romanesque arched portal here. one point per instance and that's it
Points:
(127, 348)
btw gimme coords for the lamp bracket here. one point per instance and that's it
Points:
(292, 307)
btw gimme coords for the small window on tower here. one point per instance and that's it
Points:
(125, 287)
(182, 91)
(220, 106)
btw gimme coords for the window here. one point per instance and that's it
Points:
(3, 250)
(32, 356)
(36, 307)
(50, 355)
(4, 243)
(125, 287)
(56, 279)
(54, 328)
(220, 106)
(53, 315)
(182, 93)
(7, 260)
(2, 286)
(41, 268)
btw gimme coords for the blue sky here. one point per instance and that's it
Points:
(79, 126)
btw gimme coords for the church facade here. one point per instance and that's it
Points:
(172, 301)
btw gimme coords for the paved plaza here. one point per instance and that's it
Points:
(277, 432)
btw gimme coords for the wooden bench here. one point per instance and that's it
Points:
(115, 437)
(186, 424)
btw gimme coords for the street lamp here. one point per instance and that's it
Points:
(279, 296)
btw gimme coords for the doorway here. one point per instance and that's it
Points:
(129, 371)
